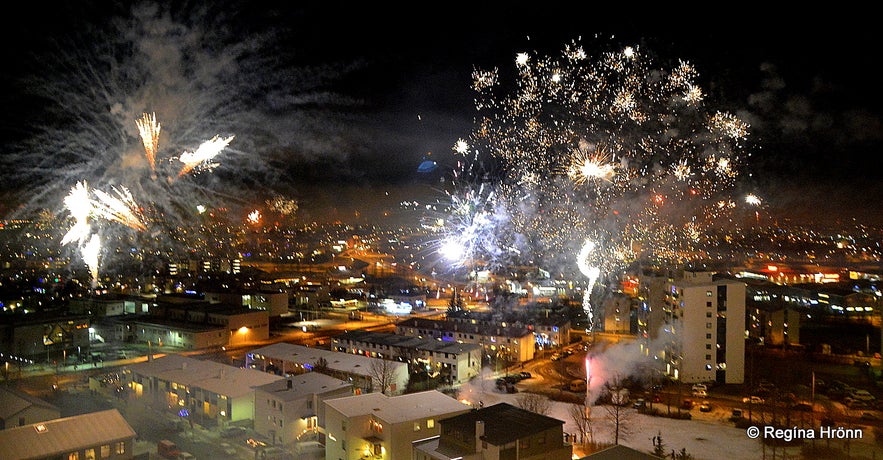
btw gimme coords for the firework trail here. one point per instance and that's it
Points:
(120, 208)
(203, 156)
(149, 130)
(90, 252)
(611, 149)
(204, 76)
(591, 272)
(79, 205)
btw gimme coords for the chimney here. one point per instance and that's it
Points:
(479, 433)
(289, 384)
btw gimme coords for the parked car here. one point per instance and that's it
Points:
(862, 395)
(639, 403)
(705, 407)
(525, 375)
(753, 400)
(700, 393)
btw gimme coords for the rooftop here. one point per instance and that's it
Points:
(212, 376)
(398, 409)
(58, 437)
(504, 423)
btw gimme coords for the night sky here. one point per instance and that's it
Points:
(391, 88)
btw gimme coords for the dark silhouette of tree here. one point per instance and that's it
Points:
(533, 402)
(618, 412)
(382, 372)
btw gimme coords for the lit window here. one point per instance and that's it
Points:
(73, 456)
(430, 423)
(416, 426)
(120, 448)
(105, 451)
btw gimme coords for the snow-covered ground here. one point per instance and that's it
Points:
(708, 436)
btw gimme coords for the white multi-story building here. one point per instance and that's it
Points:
(696, 326)
(287, 410)
(383, 427)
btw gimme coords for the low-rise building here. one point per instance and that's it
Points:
(509, 342)
(456, 362)
(287, 410)
(96, 435)
(365, 373)
(384, 427)
(206, 389)
(501, 431)
(18, 408)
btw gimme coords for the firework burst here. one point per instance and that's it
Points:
(611, 149)
(106, 88)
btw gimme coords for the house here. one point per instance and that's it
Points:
(206, 389)
(99, 435)
(384, 427)
(288, 410)
(501, 431)
(18, 408)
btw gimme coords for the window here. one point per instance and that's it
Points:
(120, 448)
(707, 325)
(708, 346)
(708, 357)
(707, 336)
(90, 453)
(707, 293)
(430, 423)
(708, 304)
(105, 451)
(73, 456)
(708, 314)
(416, 426)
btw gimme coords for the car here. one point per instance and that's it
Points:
(753, 400)
(699, 387)
(862, 395)
(525, 375)
(700, 393)
(556, 357)
(255, 443)
(687, 404)
(802, 406)
(639, 403)
(705, 407)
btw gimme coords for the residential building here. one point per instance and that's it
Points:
(498, 432)
(383, 427)
(205, 388)
(97, 435)
(455, 362)
(505, 341)
(365, 373)
(701, 335)
(18, 408)
(290, 409)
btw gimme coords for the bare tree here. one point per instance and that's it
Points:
(618, 412)
(382, 372)
(579, 415)
(533, 402)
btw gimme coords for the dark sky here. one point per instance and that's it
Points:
(808, 86)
